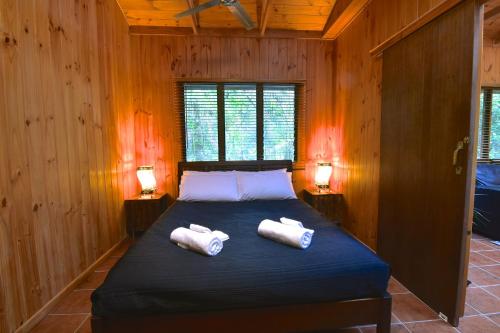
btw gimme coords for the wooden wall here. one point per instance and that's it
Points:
(158, 61)
(491, 64)
(358, 103)
(66, 145)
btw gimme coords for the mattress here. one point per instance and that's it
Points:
(156, 276)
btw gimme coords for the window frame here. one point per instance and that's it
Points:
(299, 88)
(484, 136)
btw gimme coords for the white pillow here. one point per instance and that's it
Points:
(265, 186)
(211, 187)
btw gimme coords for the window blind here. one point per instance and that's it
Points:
(489, 125)
(279, 104)
(240, 113)
(200, 122)
(495, 126)
(240, 121)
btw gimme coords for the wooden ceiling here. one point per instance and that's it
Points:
(283, 14)
(492, 20)
(289, 18)
(273, 18)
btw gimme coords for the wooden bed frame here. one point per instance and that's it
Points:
(280, 319)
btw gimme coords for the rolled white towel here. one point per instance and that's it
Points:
(222, 236)
(204, 243)
(198, 228)
(288, 221)
(286, 234)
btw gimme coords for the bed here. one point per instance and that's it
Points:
(487, 196)
(254, 284)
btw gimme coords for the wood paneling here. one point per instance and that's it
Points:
(492, 20)
(343, 13)
(357, 107)
(283, 14)
(67, 149)
(491, 65)
(159, 61)
(429, 95)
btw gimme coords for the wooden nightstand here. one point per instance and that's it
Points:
(327, 203)
(142, 212)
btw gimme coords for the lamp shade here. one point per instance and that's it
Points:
(147, 179)
(323, 173)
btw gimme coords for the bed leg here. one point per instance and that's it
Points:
(384, 322)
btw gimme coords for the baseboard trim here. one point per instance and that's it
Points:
(44, 310)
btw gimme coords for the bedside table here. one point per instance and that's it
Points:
(327, 203)
(141, 212)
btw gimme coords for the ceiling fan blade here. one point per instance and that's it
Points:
(198, 9)
(240, 12)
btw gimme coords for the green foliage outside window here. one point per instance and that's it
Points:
(240, 126)
(489, 119)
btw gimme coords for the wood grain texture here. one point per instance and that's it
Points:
(283, 14)
(159, 61)
(492, 20)
(67, 152)
(343, 13)
(491, 65)
(424, 211)
(357, 98)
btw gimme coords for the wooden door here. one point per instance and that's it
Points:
(429, 102)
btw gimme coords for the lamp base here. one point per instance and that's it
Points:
(147, 194)
(323, 188)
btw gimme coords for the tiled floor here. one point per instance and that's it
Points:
(482, 312)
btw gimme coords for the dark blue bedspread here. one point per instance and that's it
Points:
(157, 276)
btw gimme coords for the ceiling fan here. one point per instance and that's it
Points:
(234, 7)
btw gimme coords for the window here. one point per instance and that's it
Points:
(489, 125)
(239, 121)
(201, 134)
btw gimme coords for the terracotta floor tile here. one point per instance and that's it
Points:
(407, 307)
(431, 327)
(395, 287)
(480, 277)
(495, 290)
(477, 324)
(107, 264)
(482, 301)
(76, 302)
(494, 255)
(477, 259)
(477, 245)
(488, 242)
(395, 328)
(395, 320)
(93, 281)
(86, 327)
(469, 311)
(59, 323)
(495, 318)
(495, 269)
(478, 236)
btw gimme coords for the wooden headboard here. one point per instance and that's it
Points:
(233, 165)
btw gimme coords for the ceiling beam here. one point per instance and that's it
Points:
(265, 12)
(195, 23)
(492, 13)
(342, 14)
(223, 32)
